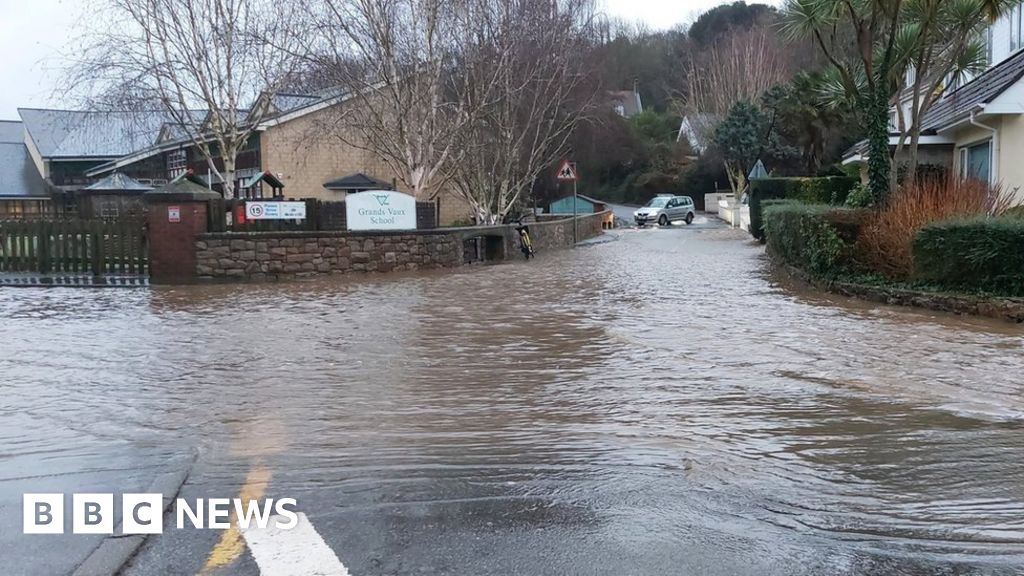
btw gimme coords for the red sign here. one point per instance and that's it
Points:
(174, 213)
(567, 172)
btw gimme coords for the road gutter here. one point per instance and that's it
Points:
(117, 549)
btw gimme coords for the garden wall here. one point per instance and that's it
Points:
(273, 255)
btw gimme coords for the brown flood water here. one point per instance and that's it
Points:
(659, 394)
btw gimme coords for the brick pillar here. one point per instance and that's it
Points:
(173, 225)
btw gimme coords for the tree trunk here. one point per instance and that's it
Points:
(902, 129)
(915, 142)
(228, 176)
(877, 112)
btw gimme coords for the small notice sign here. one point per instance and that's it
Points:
(275, 210)
(174, 213)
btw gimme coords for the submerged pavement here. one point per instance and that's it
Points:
(652, 405)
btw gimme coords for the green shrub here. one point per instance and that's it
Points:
(829, 190)
(1015, 212)
(979, 254)
(860, 197)
(804, 235)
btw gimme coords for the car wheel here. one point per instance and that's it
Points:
(689, 218)
(663, 221)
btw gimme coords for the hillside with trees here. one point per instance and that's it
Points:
(734, 53)
(487, 97)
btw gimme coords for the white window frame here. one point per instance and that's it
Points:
(965, 155)
(989, 46)
(109, 209)
(177, 163)
(1016, 36)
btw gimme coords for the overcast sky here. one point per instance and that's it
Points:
(34, 34)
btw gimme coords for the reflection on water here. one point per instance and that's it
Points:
(661, 386)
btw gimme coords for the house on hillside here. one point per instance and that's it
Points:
(23, 191)
(72, 150)
(696, 130)
(976, 130)
(626, 103)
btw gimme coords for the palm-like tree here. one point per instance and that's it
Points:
(935, 38)
(940, 42)
(864, 71)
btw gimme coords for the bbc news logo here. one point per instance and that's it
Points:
(143, 513)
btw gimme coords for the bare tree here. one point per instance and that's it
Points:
(527, 89)
(205, 65)
(739, 67)
(396, 57)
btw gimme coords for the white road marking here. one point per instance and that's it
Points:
(295, 552)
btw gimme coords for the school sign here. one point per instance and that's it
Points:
(380, 210)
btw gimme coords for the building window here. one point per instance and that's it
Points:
(177, 163)
(108, 210)
(1016, 37)
(976, 162)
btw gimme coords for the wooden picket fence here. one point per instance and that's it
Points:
(74, 247)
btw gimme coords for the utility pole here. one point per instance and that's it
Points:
(575, 222)
(567, 173)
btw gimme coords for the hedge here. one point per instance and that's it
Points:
(806, 236)
(827, 190)
(1015, 212)
(980, 254)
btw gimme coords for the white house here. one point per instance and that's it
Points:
(977, 127)
(696, 129)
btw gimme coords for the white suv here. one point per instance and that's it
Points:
(664, 209)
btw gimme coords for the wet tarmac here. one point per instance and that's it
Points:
(653, 405)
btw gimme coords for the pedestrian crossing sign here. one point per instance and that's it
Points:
(567, 172)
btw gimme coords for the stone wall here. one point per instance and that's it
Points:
(271, 255)
(1010, 309)
(559, 233)
(262, 255)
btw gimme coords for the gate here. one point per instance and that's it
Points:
(74, 247)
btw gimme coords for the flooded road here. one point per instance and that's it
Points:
(653, 405)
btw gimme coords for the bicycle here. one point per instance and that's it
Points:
(525, 243)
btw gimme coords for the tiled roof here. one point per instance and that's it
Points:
(981, 90)
(11, 132)
(283, 102)
(357, 181)
(118, 182)
(697, 128)
(859, 148)
(18, 174)
(77, 134)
